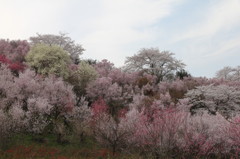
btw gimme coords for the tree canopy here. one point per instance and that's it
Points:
(229, 73)
(47, 60)
(61, 40)
(159, 63)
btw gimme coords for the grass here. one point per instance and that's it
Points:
(27, 147)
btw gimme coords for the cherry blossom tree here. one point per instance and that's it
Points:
(222, 99)
(162, 64)
(104, 67)
(38, 118)
(11, 114)
(14, 50)
(6, 86)
(229, 73)
(105, 89)
(232, 137)
(61, 97)
(123, 78)
(204, 135)
(159, 134)
(225, 73)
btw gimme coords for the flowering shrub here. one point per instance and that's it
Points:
(159, 134)
(204, 135)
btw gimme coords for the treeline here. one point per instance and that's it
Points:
(151, 107)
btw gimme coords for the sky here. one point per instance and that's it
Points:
(204, 34)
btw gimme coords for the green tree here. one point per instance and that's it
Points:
(182, 73)
(62, 40)
(47, 60)
(79, 78)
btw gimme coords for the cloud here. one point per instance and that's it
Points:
(133, 13)
(223, 15)
(210, 41)
(115, 29)
(109, 29)
(21, 19)
(123, 23)
(226, 47)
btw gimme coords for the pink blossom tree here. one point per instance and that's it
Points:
(104, 67)
(159, 134)
(14, 50)
(204, 135)
(15, 67)
(105, 89)
(12, 53)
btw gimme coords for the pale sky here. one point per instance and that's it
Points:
(204, 34)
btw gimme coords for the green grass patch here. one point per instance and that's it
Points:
(27, 146)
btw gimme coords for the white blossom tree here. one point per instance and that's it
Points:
(229, 73)
(222, 99)
(225, 73)
(155, 62)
